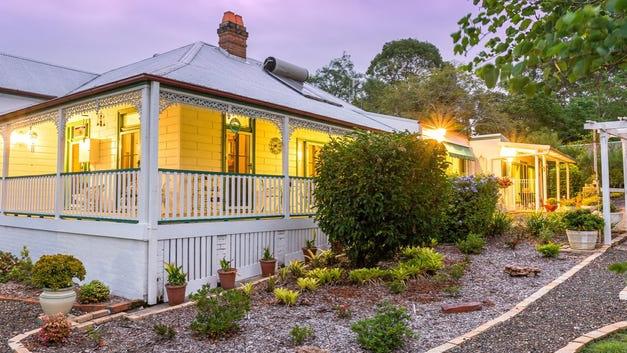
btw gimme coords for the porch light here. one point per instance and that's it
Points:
(101, 120)
(435, 134)
(508, 153)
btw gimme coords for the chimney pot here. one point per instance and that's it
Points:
(232, 34)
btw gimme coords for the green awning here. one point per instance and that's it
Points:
(459, 151)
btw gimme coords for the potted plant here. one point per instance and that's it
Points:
(310, 248)
(582, 228)
(227, 274)
(176, 285)
(615, 216)
(268, 263)
(55, 275)
(551, 204)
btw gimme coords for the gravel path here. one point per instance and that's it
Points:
(268, 325)
(16, 318)
(585, 302)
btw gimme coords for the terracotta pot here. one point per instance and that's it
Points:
(550, 208)
(306, 254)
(57, 301)
(227, 278)
(176, 294)
(582, 239)
(267, 267)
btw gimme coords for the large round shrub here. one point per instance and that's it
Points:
(377, 192)
(472, 207)
(57, 271)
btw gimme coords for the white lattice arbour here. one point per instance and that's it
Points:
(302, 196)
(189, 195)
(104, 194)
(30, 195)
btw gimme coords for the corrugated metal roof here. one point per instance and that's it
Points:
(209, 66)
(26, 75)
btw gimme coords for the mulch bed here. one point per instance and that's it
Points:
(15, 318)
(266, 329)
(585, 302)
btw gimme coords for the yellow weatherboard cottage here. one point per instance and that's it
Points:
(187, 157)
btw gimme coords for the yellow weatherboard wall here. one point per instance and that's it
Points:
(39, 159)
(267, 162)
(297, 143)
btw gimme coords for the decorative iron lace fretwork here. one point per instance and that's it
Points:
(296, 123)
(167, 98)
(133, 98)
(33, 120)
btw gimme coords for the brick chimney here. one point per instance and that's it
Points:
(232, 34)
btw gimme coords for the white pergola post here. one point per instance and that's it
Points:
(286, 169)
(623, 143)
(58, 195)
(536, 181)
(544, 179)
(558, 181)
(6, 152)
(567, 181)
(605, 189)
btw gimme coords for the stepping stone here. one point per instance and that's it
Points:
(461, 307)
(520, 271)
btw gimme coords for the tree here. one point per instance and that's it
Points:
(400, 59)
(339, 78)
(532, 44)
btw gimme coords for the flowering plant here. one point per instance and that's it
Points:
(504, 182)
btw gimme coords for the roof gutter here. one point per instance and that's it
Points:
(17, 92)
(176, 84)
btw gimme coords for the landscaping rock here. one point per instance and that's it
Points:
(522, 271)
(461, 308)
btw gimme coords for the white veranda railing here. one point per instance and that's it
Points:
(521, 195)
(30, 194)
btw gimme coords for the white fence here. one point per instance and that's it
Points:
(33, 195)
(200, 255)
(105, 194)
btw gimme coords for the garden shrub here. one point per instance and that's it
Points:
(23, 269)
(456, 271)
(538, 222)
(425, 259)
(501, 223)
(7, 262)
(54, 329)
(248, 288)
(548, 249)
(286, 296)
(300, 334)
(218, 311)
(386, 331)
(93, 292)
(297, 268)
(325, 275)
(378, 192)
(57, 271)
(397, 286)
(164, 331)
(472, 206)
(366, 275)
(473, 244)
(307, 284)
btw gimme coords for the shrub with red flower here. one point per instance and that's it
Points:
(504, 182)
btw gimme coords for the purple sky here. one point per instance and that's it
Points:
(101, 35)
